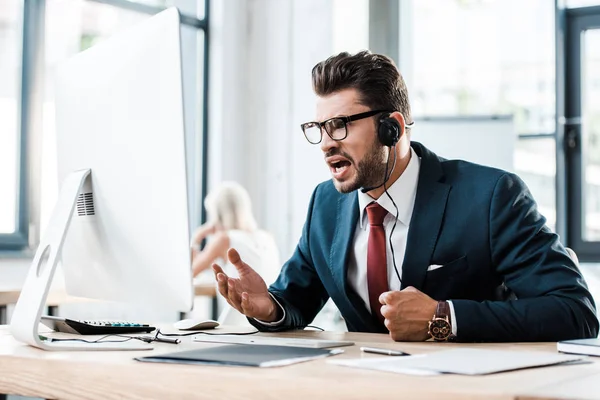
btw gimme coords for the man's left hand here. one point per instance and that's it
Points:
(407, 314)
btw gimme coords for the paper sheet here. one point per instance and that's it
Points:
(465, 361)
(388, 364)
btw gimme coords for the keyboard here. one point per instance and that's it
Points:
(272, 341)
(66, 325)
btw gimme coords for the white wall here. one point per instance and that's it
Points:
(488, 140)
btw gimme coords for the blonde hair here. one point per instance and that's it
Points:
(230, 206)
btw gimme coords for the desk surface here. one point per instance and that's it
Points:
(110, 375)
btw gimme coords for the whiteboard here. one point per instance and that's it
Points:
(487, 140)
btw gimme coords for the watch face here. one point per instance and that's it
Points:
(440, 329)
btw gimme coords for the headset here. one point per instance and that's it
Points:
(388, 131)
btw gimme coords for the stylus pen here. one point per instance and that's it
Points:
(166, 340)
(385, 352)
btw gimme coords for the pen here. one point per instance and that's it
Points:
(385, 352)
(167, 340)
(150, 339)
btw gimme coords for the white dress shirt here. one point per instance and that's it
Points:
(404, 192)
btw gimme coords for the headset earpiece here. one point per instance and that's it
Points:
(389, 131)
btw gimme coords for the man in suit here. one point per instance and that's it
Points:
(407, 242)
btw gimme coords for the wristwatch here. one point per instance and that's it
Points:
(440, 326)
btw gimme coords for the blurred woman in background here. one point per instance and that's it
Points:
(230, 223)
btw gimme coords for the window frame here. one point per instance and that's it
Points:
(576, 21)
(19, 239)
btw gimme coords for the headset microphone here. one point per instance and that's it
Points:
(368, 189)
(386, 175)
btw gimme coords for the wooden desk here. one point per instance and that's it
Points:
(205, 289)
(10, 296)
(57, 297)
(113, 375)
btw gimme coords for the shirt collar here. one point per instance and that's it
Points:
(403, 191)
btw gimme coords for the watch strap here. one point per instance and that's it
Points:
(443, 310)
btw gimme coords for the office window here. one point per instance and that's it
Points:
(492, 57)
(485, 57)
(10, 77)
(535, 163)
(350, 25)
(193, 58)
(590, 82)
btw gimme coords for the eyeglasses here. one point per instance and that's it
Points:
(335, 127)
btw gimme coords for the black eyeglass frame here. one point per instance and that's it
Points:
(345, 120)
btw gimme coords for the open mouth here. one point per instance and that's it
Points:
(339, 168)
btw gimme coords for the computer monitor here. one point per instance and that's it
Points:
(120, 225)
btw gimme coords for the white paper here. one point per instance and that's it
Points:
(465, 361)
(386, 363)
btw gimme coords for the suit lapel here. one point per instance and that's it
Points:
(426, 220)
(346, 222)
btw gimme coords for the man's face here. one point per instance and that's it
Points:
(359, 160)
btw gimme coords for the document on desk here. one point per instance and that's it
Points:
(464, 361)
(387, 364)
(243, 355)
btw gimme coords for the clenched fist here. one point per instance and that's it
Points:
(407, 313)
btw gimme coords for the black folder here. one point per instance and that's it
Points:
(243, 355)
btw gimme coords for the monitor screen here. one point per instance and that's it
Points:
(119, 113)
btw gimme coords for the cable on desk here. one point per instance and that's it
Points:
(158, 332)
(99, 340)
(145, 339)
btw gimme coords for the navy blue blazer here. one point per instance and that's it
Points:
(483, 225)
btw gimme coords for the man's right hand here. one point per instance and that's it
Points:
(248, 294)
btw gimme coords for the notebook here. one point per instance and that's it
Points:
(580, 346)
(243, 355)
(464, 361)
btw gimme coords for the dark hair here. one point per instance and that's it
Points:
(374, 76)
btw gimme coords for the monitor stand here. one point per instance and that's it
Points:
(26, 317)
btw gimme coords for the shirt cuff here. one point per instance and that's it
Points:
(282, 318)
(452, 318)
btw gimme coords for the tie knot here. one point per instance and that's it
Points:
(376, 214)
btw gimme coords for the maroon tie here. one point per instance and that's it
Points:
(376, 258)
